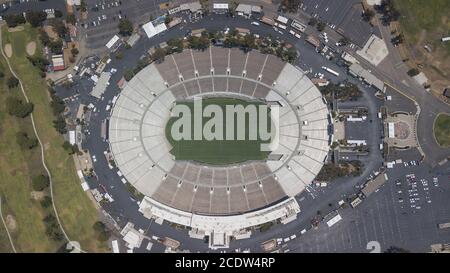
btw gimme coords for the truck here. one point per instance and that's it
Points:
(444, 225)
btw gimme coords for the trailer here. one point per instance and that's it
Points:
(331, 71)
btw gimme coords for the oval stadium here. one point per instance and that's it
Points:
(219, 188)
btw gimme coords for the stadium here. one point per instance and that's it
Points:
(219, 189)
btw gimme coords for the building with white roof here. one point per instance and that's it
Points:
(152, 30)
(101, 85)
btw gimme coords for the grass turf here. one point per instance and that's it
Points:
(433, 17)
(16, 168)
(442, 130)
(217, 152)
(76, 211)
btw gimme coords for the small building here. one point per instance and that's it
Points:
(373, 185)
(152, 30)
(112, 42)
(58, 62)
(244, 10)
(176, 21)
(313, 40)
(101, 85)
(358, 71)
(298, 25)
(281, 19)
(349, 59)
(133, 39)
(220, 8)
(197, 32)
(243, 31)
(268, 21)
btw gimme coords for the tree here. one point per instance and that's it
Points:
(2, 75)
(128, 75)
(71, 19)
(125, 27)
(36, 18)
(313, 21)
(26, 142)
(74, 51)
(321, 26)
(99, 226)
(368, 15)
(18, 108)
(40, 182)
(344, 41)
(413, 72)
(71, 149)
(39, 62)
(58, 13)
(56, 46)
(101, 229)
(175, 45)
(13, 20)
(46, 202)
(395, 249)
(199, 43)
(158, 56)
(12, 82)
(60, 124)
(168, 19)
(83, 6)
(58, 26)
(43, 36)
(291, 5)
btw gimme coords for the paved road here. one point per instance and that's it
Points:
(124, 208)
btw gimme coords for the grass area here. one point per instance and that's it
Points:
(433, 17)
(442, 130)
(5, 246)
(76, 210)
(16, 168)
(217, 152)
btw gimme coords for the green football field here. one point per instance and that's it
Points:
(217, 152)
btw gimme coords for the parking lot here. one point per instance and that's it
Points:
(344, 16)
(405, 213)
(104, 16)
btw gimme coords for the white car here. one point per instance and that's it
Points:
(255, 23)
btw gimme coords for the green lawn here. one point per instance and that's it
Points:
(431, 16)
(442, 130)
(217, 152)
(16, 168)
(76, 210)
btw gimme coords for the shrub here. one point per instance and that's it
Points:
(46, 202)
(26, 142)
(12, 82)
(18, 108)
(413, 72)
(40, 182)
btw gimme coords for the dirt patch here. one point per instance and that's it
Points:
(31, 48)
(11, 222)
(37, 195)
(16, 29)
(8, 50)
(47, 146)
